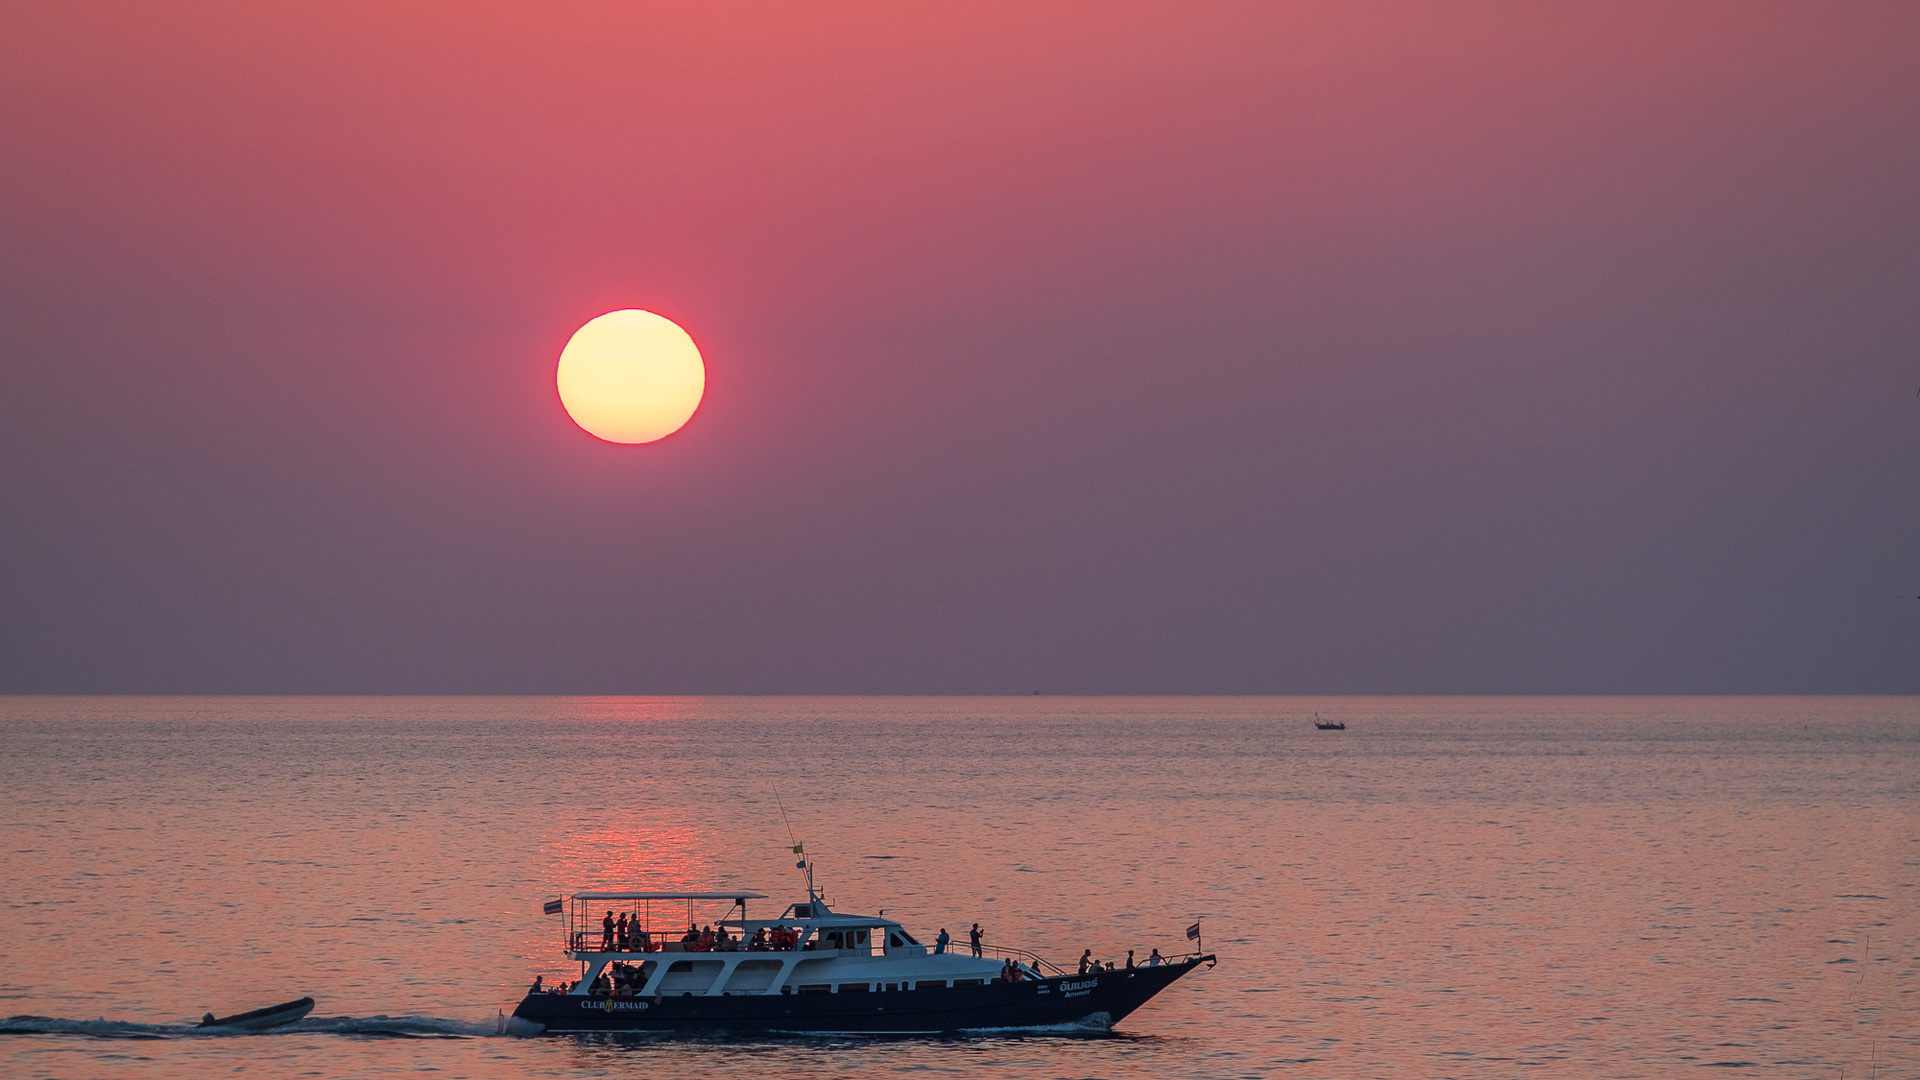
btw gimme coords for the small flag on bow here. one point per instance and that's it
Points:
(1193, 932)
(799, 849)
(553, 907)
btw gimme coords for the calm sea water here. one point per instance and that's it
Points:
(1512, 887)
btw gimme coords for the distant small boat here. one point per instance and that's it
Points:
(286, 1012)
(1328, 725)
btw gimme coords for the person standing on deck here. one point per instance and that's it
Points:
(620, 932)
(606, 933)
(940, 943)
(974, 936)
(1086, 958)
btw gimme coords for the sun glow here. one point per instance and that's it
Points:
(631, 376)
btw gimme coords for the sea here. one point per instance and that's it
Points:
(1448, 887)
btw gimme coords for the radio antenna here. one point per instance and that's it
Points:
(799, 849)
(783, 811)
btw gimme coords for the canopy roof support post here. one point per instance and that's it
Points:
(589, 971)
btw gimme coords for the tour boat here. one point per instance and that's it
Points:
(814, 970)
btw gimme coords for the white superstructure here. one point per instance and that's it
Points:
(808, 949)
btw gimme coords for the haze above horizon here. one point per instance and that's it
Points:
(1130, 349)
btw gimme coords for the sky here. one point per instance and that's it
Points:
(1079, 348)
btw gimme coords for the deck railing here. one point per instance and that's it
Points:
(1007, 952)
(589, 941)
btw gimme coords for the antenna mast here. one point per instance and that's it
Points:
(799, 849)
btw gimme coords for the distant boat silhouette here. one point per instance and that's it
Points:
(1328, 725)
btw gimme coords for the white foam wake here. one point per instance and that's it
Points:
(405, 1027)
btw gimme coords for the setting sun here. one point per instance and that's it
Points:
(631, 376)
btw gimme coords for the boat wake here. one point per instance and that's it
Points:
(396, 1027)
(432, 1027)
(1097, 1024)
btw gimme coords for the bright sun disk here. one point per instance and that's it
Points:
(631, 376)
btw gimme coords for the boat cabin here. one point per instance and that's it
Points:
(636, 945)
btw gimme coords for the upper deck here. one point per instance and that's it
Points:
(806, 946)
(648, 922)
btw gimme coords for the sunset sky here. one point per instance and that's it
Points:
(1081, 348)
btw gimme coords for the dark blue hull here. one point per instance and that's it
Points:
(1096, 1000)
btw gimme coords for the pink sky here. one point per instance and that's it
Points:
(1089, 348)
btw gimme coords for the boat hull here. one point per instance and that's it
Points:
(286, 1012)
(1087, 1001)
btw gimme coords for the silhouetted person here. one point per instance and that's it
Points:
(940, 943)
(606, 933)
(973, 935)
(1086, 961)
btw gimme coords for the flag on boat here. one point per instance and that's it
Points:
(1193, 932)
(553, 907)
(799, 849)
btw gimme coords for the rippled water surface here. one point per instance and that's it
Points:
(1624, 887)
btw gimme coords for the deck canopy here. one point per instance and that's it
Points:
(670, 896)
(834, 918)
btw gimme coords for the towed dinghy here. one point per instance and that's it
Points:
(286, 1012)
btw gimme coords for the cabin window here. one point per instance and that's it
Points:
(969, 982)
(854, 988)
(816, 988)
(690, 976)
(930, 984)
(753, 977)
(803, 911)
(894, 942)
